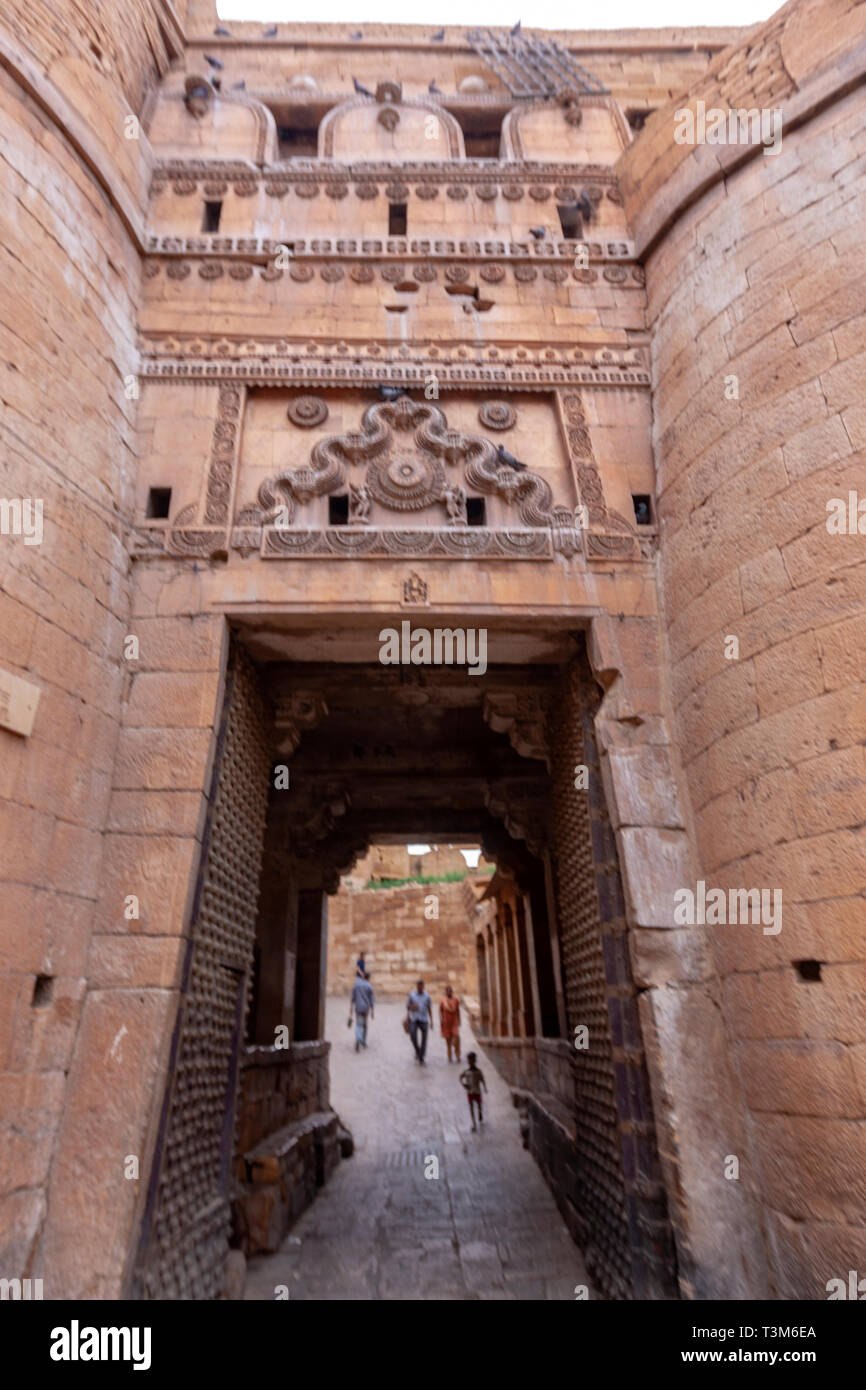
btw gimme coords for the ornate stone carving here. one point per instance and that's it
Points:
(557, 274)
(184, 187)
(497, 415)
(223, 453)
(456, 274)
(215, 190)
(210, 270)
(301, 273)
(393, 274)
(522, 715)
(389, 117)
(487, 192)
(615, 274)
(455, 541)
(177, 270)
(396, 192)
(414, 591)
(362, 274)
(307, 190)
(565, 193)
(307, 411)
(241, 270)
(525, 274)
(513, 192)
(457, 192)
(638, 274)
(365, 191)
(336, 190)
(424, 274)
(492, 274)
(586, 277)
(588, 478)
(246, 190)
(294, 714)
(539, 191)
(332, 273)
(427, 191)
(275, 189)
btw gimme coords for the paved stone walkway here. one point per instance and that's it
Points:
(486, 1228)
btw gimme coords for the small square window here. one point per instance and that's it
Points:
(642, 504)
(158, 504)
(338, 510)
(397, 220)
(476, 511)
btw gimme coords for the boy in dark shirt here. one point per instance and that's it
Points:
(472, 1079)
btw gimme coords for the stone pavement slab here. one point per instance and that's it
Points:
(486, 1228)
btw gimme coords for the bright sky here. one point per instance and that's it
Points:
(542, 14)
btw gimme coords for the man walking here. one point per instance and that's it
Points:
(420, 1007)
(361, 1001)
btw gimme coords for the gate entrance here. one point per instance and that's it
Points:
(317, 759)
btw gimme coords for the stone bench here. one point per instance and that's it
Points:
(283, 1172)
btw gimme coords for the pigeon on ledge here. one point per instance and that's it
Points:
(360, 88)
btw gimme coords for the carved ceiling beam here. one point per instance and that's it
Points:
(294, 713)
(522, 715)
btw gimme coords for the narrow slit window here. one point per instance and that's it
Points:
(397, 219)
(158, 504)
(212, 215)
(642, 508)
(338, 510)
(476, 512)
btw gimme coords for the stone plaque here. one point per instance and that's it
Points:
(18, 701)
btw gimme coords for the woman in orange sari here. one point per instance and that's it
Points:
(449, 1021)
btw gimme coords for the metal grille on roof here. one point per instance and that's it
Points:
(532, 67)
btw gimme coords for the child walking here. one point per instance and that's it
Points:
(472, 1079)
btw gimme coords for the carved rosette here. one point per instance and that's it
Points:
(497, 415)
(307, 411)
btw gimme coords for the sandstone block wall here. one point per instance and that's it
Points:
(756, 276)
(69, 262)
(400, 944)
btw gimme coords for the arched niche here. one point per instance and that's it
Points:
(363, 128)
(580, 130)
(233, 126)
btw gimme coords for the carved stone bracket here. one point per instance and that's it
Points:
(522, 715)
(295, 713)
(524, 813)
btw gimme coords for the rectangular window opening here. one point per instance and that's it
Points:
(397, 219)
(338, 510)
(158, 504)
(570, 221)
(476, 511)
(212, 215)
(642, 508)
(298, 142)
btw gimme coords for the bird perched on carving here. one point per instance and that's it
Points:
(438, 36)
(509, 460)
(538, 232)
(584, 206)
(434, 89)
(360, 88)
(515, 31)
(391, 393)
(270, 33)
(213, 62)
(223, 32)
(357, 35)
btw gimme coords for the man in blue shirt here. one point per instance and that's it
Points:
(361, 1001)
(420, 1007)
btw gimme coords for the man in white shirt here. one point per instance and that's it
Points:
(420, 1007)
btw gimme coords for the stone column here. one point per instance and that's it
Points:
(312, 949)
(526, 948)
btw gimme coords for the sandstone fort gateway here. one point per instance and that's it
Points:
(317, 332)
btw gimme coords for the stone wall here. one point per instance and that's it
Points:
(73, 194)
(400, 943)
(752, 275)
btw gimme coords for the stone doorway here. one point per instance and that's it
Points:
(318, 759)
